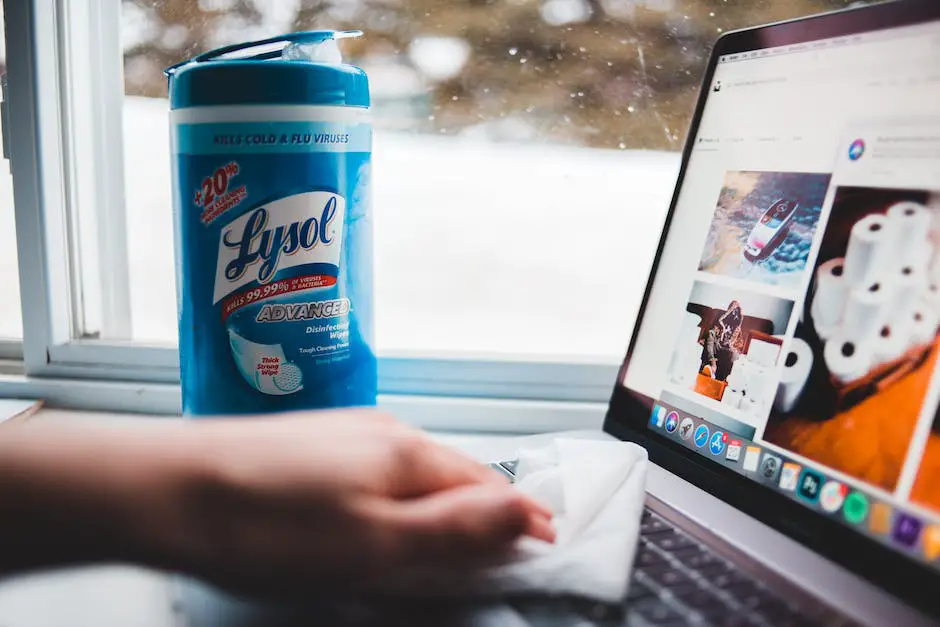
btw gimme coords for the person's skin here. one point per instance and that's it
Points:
(346, 499)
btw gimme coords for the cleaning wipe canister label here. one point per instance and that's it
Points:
(274, 245)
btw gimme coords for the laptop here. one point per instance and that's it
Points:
(783, 371)
(810, 182)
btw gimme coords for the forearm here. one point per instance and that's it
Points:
(74, 494)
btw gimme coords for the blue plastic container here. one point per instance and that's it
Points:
(272, 168)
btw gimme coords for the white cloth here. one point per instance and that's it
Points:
(596, 490)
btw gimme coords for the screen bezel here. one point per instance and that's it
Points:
(628, 413)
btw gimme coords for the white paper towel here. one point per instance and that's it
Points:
(796, 368)
(910, 226)
(847, 360)
(864, 314)
(597, 490)
(870, 242)
(829, 295)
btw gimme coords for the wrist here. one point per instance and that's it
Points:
(72, 494)
(168, 515)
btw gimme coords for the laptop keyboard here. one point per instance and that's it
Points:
(678, 580)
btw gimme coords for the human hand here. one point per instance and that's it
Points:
(347, 500)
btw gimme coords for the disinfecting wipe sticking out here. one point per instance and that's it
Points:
(272, 145)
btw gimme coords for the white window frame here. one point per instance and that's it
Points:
(11, 350)
(475, 392)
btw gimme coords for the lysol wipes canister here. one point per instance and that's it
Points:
(272, 156)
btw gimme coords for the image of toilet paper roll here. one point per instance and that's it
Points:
(933, 273)
(829, 295)
(761, 386)
(908, 283)
(892, 342)
(740, 376)
(825, 333)
(865, 311)
(732, 397)
(871, 242)
(910, 224)
(847, 360)
(796, 368)
(924, 325)
(923, 256)
(752, 407)
(931, 295)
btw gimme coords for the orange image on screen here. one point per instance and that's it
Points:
(866, 339)
(926, 490)
(870, 440)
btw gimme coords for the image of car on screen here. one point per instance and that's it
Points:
(763, 226)
(770, 230)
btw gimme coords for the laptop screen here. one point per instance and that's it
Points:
(790, 332)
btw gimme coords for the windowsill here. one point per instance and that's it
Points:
(78, 398)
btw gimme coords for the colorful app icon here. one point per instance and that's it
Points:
(856, 149)
(701, 436)
(789, 476)
(832, 496)
(734, 451)
(751, 456)
(717, 443)
(880, 520)
(770, 467)
(658, 416)
(855, 508)
(932, 542)
(810, 485)
(672, 422)
(685, 428)
(906, 529)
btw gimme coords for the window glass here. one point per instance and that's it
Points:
(525, 153)
(11, 320)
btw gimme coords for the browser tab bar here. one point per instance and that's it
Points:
(823, 44)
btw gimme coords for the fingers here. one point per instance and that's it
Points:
(536, 508)
(426, 466)
(414, 465)
(460, 526)
(541, 528)
(422, 466)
